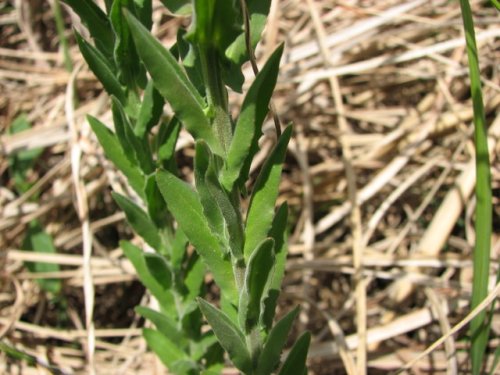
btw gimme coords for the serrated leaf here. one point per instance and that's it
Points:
(229, 335)
(185, 205)
(167, 351)
(257, 276)
(140, 221)
(39, 241)
(295, 362)
(165, 324)
(150, 111)
(248, 127)
(96, 22)
(136, 257)
(270, 356)
(159, 269)
(115, 153)
(172, 83)
(102, 68)
(261, 209)
(140, 155)
(179, 7)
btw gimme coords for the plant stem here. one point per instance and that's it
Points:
(216, 95)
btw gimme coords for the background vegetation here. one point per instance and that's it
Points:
(379, 94)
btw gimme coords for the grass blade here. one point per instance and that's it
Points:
(483, 226)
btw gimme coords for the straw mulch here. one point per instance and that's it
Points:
(379, 179)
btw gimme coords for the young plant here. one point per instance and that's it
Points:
(245, 254)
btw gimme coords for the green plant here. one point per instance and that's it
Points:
(481, 324)
(245, 254)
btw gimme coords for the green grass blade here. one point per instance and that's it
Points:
(483, 226)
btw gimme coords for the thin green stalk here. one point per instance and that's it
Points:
(68, 64)
(479, 328)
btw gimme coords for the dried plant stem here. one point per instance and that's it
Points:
(83, 214)
(356, 226)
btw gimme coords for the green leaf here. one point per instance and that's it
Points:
(223, 217)
(125, 54)
(179, 7)
(215, 24)
(140, 154)
(144, 12)
(229, 335)
(279, 234)
(258, 11)
(261, 209)
(193, 278)
(159, 269)
(296, 360)
(185, 205)
(257, 276)
(167, 351)
(172, 83)
(150, 111)
(115, 153)
(165, 143)
(136, 257)
(211, 209)
(96, 22)
(157, 209)
(248, 128)
(270, 356)
(165, 324)
(102, 68)
(140, 221)
(40, 241)
(22, 161)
